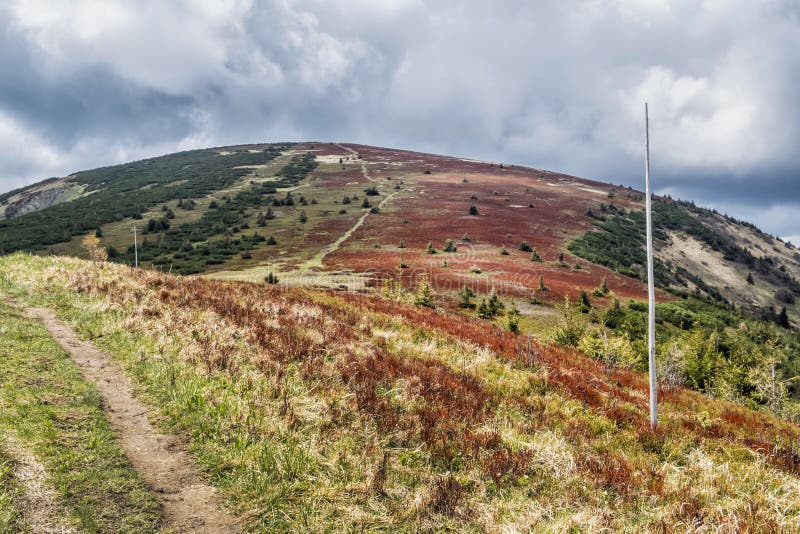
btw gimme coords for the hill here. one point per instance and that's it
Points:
(317, 410)
(506, 243)
(342, 214)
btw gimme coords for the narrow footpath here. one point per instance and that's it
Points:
(189, 503)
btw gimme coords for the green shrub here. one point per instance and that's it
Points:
(465, 297)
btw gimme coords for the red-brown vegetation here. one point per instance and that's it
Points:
(455, 405)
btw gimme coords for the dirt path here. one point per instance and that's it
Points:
(316, 261)
(190, 505)
(364, 169)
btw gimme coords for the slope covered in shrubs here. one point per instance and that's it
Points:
(317, 411)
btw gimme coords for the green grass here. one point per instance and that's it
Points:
(10, 496)
(293, 424)
(47, 406)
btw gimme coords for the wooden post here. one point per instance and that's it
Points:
(651, 296)
(135, 249)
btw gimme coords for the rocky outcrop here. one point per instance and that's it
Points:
(30, 201)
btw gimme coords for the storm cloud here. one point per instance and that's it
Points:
(557, 85)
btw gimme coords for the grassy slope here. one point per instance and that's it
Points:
(120, 191)
(619, 240)
(322, 412)
(46, 405)
(427, 207)
(10, 496)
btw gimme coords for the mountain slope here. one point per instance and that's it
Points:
(506, 243)
(312, 410)
(214, 210)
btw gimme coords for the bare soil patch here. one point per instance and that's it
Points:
(41, 507)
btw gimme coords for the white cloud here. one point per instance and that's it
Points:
(551, 84)
(168, 46)
(23, 153)
(793, 239)
(27, 157)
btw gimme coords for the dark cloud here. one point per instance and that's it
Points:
(557, 85)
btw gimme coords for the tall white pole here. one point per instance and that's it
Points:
(135, 249)
(651, 295)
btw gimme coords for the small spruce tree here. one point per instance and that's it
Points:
(614, 315)
(542, 286)
(429, 249)
(465, 297)
(473, 210)
(535, 256)
(602, 289)
(112, 253)
(512, 319)
(483, 310)
(424, 295)
(783, 318)
(583, 302)
(494, 304)
(449, 246)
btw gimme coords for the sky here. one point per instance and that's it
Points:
(553, 84)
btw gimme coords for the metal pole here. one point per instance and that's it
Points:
(135, 249)
(651, 296)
